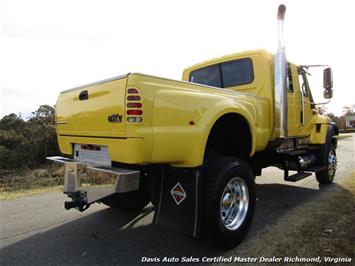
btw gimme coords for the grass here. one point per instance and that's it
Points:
(339, 137)
(25, 182)
(6, 195)
(350, 183)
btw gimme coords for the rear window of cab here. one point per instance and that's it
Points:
(227, 74)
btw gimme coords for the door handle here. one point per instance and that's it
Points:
(84, 95)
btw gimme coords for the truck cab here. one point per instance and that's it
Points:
(251, 72)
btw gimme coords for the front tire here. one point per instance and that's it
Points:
(228, 201)
(327, 175)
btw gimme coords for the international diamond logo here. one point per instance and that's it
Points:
(178, 193)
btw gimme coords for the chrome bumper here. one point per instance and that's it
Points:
(126, 181)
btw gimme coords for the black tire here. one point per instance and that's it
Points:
(327, 175)
(131, 201)
(223, 171)
(327, 157)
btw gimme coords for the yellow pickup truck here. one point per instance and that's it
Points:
(193, 147)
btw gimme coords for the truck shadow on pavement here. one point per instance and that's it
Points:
(109, 237)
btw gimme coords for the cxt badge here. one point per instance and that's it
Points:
(115, 118)
(178, 193)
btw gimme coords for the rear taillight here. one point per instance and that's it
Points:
(133, 98)
(134, 112)
(134, 106)
(132, 91)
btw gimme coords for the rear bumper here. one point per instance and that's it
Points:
(123, 150)
(126, 180)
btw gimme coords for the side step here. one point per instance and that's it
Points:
(296, 177)
(316, 169)
(293, 152)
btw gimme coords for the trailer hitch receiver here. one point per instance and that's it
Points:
(80, 205)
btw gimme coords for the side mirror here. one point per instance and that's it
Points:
(328, 83)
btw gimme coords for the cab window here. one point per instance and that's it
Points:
(207, 76)
(237, 72)
(289, 82)
(303, 82)
(226, 74)
(304, 86)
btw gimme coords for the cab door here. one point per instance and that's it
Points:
(305, 100)
(293, 101)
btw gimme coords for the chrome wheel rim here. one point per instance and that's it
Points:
(332, 163)
(234, 203)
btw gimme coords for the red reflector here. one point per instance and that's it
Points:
(133, 98)
(134, 112)
(134, 105)
(132, 91)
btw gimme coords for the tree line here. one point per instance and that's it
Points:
(338, 120)
(27, 143)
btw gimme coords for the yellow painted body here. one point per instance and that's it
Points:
(178, 115)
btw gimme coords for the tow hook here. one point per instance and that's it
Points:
(80, 205)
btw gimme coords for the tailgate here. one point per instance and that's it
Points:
(96, 109)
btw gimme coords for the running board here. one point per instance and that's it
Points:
(316, 169)
(126, 180)
(296, 177)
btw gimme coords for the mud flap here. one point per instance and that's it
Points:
(176, 193)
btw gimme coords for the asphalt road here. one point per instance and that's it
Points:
(37, 230)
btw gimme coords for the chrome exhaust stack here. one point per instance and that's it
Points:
(280, 117)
